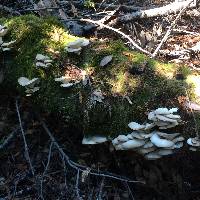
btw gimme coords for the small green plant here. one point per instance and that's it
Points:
(89, 4)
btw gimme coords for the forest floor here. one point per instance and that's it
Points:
(172, 177)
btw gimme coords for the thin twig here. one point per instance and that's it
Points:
(27, 156)
(119, 32)
(129, 191)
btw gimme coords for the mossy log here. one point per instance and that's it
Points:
(147, 83)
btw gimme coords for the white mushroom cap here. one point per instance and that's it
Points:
(23, 81)
(115, 141)
(136, 126)
(152, 116)
(162, 111)
(94, 139)
(76, 45)
(122, 138)
(131, 144)
(195, 142)
(157, 141)
(172, 110)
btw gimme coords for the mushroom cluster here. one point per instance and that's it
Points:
(77, 45)
(4, 46)
(164, 118)
(29, 84)
(152, 145)
(43, 61)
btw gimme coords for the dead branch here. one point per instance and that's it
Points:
(82, 168)
(171, 8)
(119, 32)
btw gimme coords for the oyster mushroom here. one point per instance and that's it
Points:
(43, 61)
(131, 144)
(164, 118)
(29, 84)
(77, 45)
(23, 81)
(136, 126)
(94, 139)
(195, 142)
(157, 141)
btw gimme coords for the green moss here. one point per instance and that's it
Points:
(154, 86)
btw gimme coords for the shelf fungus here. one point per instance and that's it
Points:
(77, 45)
(165, 118)
(43, 61)
(29, 84)
(154, 144)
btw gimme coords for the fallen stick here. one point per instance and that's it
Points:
(171, 8)
(27, 156)
(82, 168)
(119, 32)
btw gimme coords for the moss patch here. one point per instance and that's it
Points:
(131, 75)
